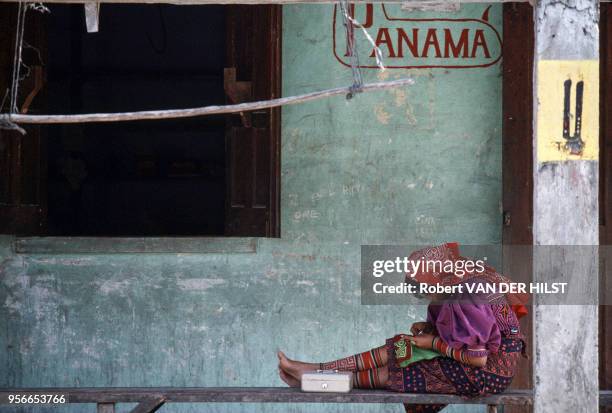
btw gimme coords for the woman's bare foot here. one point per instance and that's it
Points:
(290, 380)
(294, 368)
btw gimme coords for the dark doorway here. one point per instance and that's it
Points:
(188, 177)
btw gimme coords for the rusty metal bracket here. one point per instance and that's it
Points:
(238, 92)
(573, 143)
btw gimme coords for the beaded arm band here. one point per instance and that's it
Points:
(441, 347)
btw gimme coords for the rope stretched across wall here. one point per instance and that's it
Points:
(201, 111)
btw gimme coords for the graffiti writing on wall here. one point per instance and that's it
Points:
(407, 42)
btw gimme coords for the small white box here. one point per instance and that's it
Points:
(327, 381)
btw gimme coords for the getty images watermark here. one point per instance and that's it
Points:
(459, 269)
(389, 276)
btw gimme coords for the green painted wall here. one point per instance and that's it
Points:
(414, 165)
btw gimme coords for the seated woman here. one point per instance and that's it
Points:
(477, 336)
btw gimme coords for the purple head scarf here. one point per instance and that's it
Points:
(466, 325)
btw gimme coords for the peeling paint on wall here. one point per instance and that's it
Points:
(199, 284)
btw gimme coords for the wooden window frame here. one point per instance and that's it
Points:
(517, 163)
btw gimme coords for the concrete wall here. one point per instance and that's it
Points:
(414, 165)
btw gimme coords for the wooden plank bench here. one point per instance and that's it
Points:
(150, 399)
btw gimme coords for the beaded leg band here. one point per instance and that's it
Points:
(367, 379)
(371, 359)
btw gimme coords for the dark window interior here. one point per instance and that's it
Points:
(146, 178)
(216, 175)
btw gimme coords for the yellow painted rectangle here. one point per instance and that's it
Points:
(551, 75)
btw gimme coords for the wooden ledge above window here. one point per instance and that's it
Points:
(145, 245)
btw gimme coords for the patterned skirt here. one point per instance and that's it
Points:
(448, 376)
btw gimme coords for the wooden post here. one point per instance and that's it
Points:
(106, 408)
(565, 203)
(149, 406)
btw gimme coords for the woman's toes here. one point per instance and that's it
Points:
(289, 380)
(284, 362)
(294, 368)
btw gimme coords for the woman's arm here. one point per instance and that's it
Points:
(431, 342)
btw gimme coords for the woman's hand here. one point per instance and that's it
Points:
(477, 361)
(422, 340)
(421, 327)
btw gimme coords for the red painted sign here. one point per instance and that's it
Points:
(408, 43)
